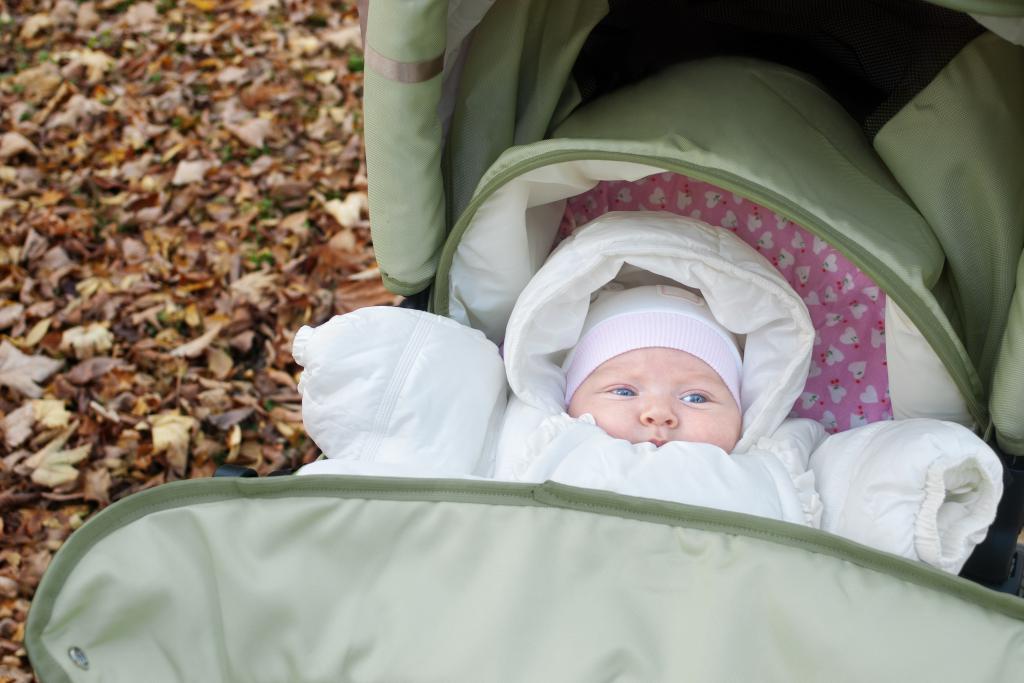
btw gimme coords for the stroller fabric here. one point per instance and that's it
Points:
(316, 579)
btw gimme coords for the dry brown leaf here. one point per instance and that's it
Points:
(230, 418)
(359, 294)
(97, 485)
(52, 466)
(50, 413)
(219, 362)
(295, 222)
(141, 16)
(253, 132)
(234, 441)
(21, 372)
(16, 143)
(199, 344)
(343, 241)
(232, 74)
(91, 368)
(34, 25)
(37, 332)
(191, 171)
(56, 468)
(171, 433)
(303, 45)
(348, 211)
(88, 340)
(96, 64)
(87, 17)
(344, 38)
(17, 425)
(255, 285)
(10, 315)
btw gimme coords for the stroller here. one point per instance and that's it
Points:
(891, 133)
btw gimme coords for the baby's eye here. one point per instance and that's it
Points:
(693, 398)
(623, 391)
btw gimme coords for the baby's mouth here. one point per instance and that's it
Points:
(658, 442)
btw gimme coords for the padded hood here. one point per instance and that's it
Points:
(743, 290)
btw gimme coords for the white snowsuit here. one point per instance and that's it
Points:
(398, 392)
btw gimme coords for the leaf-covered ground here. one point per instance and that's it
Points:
(181, 188)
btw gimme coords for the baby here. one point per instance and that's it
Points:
(654, 365)
(643, 391)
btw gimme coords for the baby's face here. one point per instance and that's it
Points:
(659, 395)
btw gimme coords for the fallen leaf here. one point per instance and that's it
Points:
(171, 435)
(231, 74)
(10, 315)
(370, 274)
(348, 211)
(294, 222)
(21, 372)
(242, 341)
(141, 15)
(33, 247)
(343, 241)
(96, 63)
(304, 45)
(230, 418)
(34, 25)
(16, 143)
(191, 171)
(53, 466)
(51, 413)
(39, 82)
(97, 485)
(234, 441)
(56, 468)
(344, 38)
(86, 341)
(91, 368)
(253, 132)
(219, 362)
(87, 17)
(254, 285)
(192, 316)
(359, 294)
(199, 344)
(17, 425)
(37, 332)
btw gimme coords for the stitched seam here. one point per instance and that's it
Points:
(391, 394)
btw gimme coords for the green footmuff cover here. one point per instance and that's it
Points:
(359, 579)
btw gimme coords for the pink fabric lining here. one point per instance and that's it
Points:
(848, 384)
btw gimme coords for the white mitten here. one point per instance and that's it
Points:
(923, 489)
(402, 391)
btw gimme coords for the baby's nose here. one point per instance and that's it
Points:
(659, 415)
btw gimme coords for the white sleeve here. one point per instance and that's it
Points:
(924, 489)
(395, 388)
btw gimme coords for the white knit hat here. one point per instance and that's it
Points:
(621, 320)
